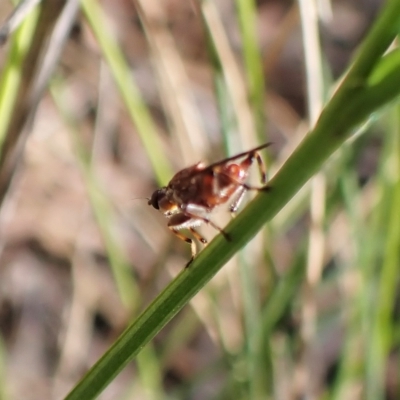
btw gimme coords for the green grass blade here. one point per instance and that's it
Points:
(12, 70)
(382, 330)
(3, 364)
(103, 213)
(128, 90)
(253, 62)
(251, 317)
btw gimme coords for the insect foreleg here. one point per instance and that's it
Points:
(185, 239)
(181, 221)
(198, 236)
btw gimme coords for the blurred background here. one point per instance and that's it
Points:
(125, 94)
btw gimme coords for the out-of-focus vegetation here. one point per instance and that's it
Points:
(101, 102)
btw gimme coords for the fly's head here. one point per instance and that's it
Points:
(156, 197)
(159, 200)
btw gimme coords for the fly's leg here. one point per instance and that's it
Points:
(241, 191)
(238, 199)
(261, 168)
(187, 240)
(198, 236)
(249, 187)
(247, 162)
(200, 213)
(245, 165)
(208, 221)
(244, 186)
(186, 221)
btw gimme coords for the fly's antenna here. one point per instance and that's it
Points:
(139, 198)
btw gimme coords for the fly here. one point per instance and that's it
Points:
(194, 192)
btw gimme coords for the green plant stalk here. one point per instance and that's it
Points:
(11, 75)
(351, 360)
(150, 372)
(119, 264)
(102, 210)
(252, 59)
(353, 102)
(251, 316)
(281, 295)
(184, 329)
(3, 362)
(127, 288)
(246, 12)
(279, 300)
(382, 334)
(128, 90)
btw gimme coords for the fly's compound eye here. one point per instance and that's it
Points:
(156, 197)
(154, 200)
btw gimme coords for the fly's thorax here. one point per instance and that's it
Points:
(186, 191)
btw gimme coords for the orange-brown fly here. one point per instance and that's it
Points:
(193, 193)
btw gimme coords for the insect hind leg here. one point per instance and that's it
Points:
(238, 197)
(215, 226)
(245, 186)
(261, 168)
(247, 162)
(241, 192)
(242, 188)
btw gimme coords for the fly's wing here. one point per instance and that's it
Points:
(192, 185)
(200, 167)
(187, 173)
(183, 180)
(235, 157)
(196, 184)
